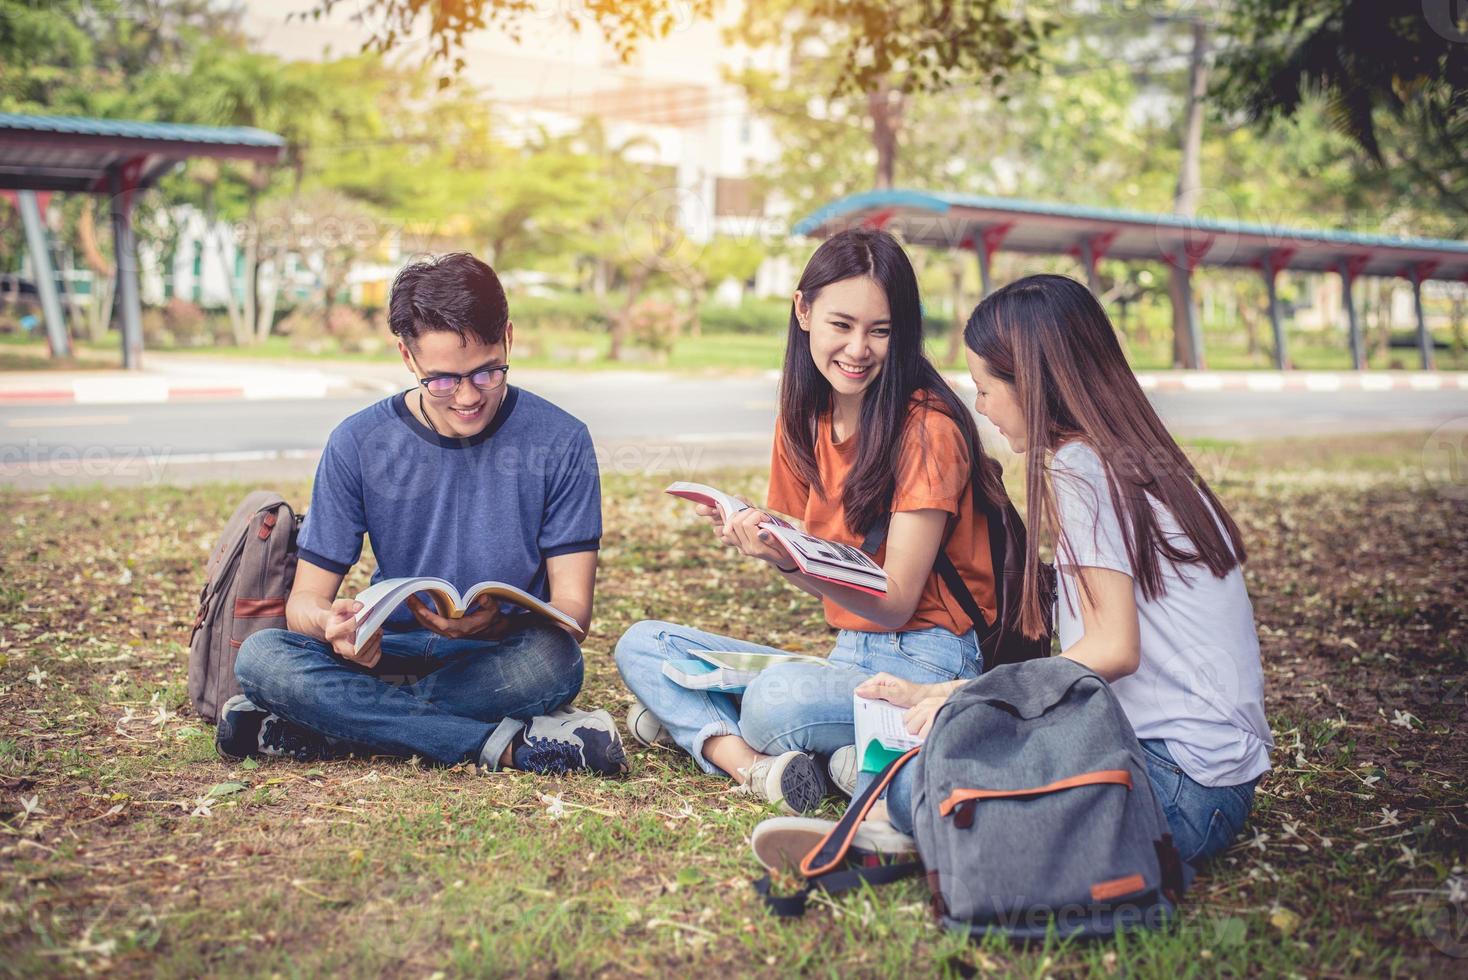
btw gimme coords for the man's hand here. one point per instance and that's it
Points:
(340, 633)
(483, 622)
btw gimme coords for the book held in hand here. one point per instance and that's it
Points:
(829, 561)
(881, 735)
(730, 673)
(381, 598)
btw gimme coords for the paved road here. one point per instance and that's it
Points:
(641, 423)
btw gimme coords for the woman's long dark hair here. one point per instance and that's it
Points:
(805, 395)
(1048, 337)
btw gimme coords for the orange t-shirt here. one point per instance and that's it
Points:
(931, 477)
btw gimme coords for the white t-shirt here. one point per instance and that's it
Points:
(1200, 685)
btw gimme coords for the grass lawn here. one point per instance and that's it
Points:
(128, 846)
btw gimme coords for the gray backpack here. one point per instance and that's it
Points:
(1032, 811)
(247, 580)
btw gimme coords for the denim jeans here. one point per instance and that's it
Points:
(1204, 819)
(429, 696)
(789, 706)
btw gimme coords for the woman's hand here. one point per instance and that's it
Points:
(919, 718)
(743, 532)
(714, 517)
(886, 687)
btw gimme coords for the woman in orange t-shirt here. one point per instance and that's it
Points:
(868, 432)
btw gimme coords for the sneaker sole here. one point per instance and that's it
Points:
(802, 785)
(781, 843)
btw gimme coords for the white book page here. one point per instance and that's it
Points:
(519, 597)
(709, 497)
(752, 660)
(379, 601)
(881, 720)
(808, 550)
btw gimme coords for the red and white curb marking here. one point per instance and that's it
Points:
(1305, 381)
(1275, 381)
(156, 388)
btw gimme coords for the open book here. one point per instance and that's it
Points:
(880, 734)
(380, 599)
(731, 673)
(829, 561)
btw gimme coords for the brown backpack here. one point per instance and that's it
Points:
(247, 581)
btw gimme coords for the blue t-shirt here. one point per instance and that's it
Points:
(491, 507)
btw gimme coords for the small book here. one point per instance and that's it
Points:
(880, 734)
(829, 561)
(381, 598)
(730, 673)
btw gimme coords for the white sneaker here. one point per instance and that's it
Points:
(791, 780)
(646, 728)
(781, 843)
(842, 770)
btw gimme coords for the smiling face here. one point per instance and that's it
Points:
(468, 410)
(998, 402)
(849, 324)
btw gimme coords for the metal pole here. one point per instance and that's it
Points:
(986, 281)
(1281, 360)
(1424, 339)
(1093, 276)
(1358, 353)
(1195, 358)
(128, 302)
(35, 237)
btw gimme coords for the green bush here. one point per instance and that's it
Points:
(584, 311)
(564, 311)
(752, 316)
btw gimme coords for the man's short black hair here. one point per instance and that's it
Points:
(452, 292)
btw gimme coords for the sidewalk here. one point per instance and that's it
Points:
(170, 378)
(191, 378)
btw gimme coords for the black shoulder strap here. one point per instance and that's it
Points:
(943, 565)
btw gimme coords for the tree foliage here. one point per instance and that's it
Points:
(1393, 77)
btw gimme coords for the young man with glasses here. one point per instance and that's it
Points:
(464, 477)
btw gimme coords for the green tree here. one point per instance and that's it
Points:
(1393, 77)
(721, 257)
(857, 59)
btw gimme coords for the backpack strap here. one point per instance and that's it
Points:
(943, 565)
(819, 866)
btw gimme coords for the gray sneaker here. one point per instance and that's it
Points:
(568, 740)
(841, 769)
(791, 780)
(245, 731)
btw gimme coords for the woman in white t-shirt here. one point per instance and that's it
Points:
(1152, 592)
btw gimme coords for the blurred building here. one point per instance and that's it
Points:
(690, 125)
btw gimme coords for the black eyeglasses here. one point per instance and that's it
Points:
(485, 379)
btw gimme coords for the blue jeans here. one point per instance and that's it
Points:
(804, 707)
(1204, 819)
(429, 696)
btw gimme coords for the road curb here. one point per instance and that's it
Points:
(156, 389)
(1277, 381)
